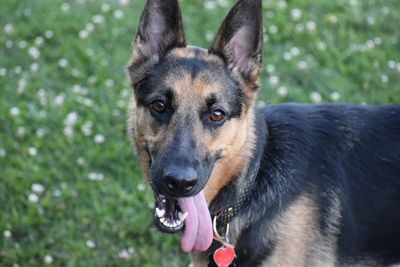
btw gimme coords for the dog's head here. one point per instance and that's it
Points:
(192, 113)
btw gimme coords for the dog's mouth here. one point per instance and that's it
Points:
(189, 214)
(168, 215)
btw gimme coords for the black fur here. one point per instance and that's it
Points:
(327, 150)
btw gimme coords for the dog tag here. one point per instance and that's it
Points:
(224, 256)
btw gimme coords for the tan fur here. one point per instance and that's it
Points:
(299, 242)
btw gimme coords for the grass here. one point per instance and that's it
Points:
(71, 192)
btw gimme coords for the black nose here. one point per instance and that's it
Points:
(180, 180)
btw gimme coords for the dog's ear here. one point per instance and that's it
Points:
(239, 41)
(160, 29)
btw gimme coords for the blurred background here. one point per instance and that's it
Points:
(71, 192)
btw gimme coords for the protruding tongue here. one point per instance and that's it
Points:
(198, 233)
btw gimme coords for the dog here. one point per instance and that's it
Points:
(284, 185)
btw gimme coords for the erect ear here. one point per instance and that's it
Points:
(239, 41)
(160, 29)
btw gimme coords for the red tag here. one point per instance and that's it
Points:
(224, 256)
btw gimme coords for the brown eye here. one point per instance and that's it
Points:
(158, 106)
(217, 115)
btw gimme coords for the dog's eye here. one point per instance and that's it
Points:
(217, 115)
(158, 106)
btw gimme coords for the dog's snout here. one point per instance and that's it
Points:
(180, 180)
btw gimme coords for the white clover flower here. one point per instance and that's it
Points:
(68, 131)
(335, 96)
(18, 69)
(63, 62)
(296, 14)
(210, 4)
(41, 93)
(89, 27)
(321, 45)
(80, 161)
(370, 20)
(33, 198)
(56, 193)
(59, 100)
(124, 254)
(332, 18)
(22, 44)
(3, 152)
(32, 151)
(37, 188)
(118, 14)
(384, 78)
(83, 34)
(282, 4)
(48, 259)
(105, 7)
(353, 2)
(302, 65)
(316, 97)
(21, 131)
(287, 56)
(311, 25)
(295, 51)
(75, 72)
(385, 10)
(34, 66)
(39, 41)
(273, 29)
(391, 64)
(87, 102)
(274, 80)
(141, 187)
(270, 68)
(48, 34)
(65, 7)
(8, 28)
(7, 234)
(34, 52)
(14, 111)
(87, 128)
(109, 82)
(71, 118)
(90, 244)
(99, 138)
(377, 40)
(98, 19)
(40, 132)
(123, 2)
(370, 45)
(92, 79)
(282, 91)
(209, 36)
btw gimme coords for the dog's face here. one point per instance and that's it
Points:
(192, 113)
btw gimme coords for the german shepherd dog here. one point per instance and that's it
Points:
(286, 185)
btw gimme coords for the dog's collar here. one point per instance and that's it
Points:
(225, 215)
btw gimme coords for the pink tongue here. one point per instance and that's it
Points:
(198, 233)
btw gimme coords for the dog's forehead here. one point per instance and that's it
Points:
(193, 71)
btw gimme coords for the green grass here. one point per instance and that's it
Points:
(94, 209)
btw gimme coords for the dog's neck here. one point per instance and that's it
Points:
(228, 202)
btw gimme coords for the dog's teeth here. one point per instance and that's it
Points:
(178, 222)
(182, 216)
(160, 212)
(162, 220)
(174, 224)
